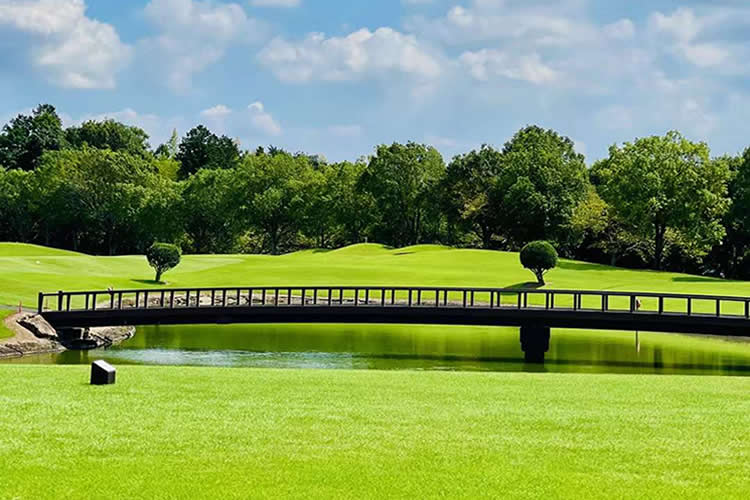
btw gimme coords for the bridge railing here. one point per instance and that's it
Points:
(380, 296)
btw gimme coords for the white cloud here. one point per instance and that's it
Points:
(686, 33)
(262, 120)
(624, 29)
(682, 24)
(72, 49)
(195, 34)
(546, 22)
(485, 64)
(218, 111)
(276, 3)
(355, 56)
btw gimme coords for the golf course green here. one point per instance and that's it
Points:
(181, 432)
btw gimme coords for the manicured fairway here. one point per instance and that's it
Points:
(239, 433)
(25, 270)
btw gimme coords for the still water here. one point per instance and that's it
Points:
(395, 347)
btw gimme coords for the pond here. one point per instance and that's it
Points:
(396, 347)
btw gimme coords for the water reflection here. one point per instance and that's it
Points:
(391, 347)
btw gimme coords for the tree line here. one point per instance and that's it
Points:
(99, 187)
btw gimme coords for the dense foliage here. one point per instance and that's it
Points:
(163, 257)
(539, 257)
(99, 187)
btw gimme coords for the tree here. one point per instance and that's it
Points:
(169, 149)
(163, 257)
(539, 257)
(731, 258)
(275, 193)
(109, 134)
(212, 210)
(470, 192)
(594, 228)
(353, 210)
(93, 197)
(541, 182)
(201, 148)
(659, 185)
(403, 181)
(18, 205)
(26, 138)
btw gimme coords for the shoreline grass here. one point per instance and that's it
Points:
(238, 433)
(5, 332)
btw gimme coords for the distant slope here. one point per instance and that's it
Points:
(27, 269)
(26, 250)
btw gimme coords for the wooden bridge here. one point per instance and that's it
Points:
(534, 310)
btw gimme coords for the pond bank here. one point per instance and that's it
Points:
(33, 335)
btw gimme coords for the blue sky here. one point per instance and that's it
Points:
(337, 77)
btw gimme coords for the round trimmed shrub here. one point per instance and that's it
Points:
(539, 257)
(163, 257)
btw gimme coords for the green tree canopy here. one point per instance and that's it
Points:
(170, 148)
(163, 257)
(732, 258)
(276, 192)
(470, 192)
(539, 257)
(201, 148)
(660, 184)
(94, 196)
(18, 205)
(403, 180)
(211, 212)
(109, 134)
(24, 140)
(541, 183)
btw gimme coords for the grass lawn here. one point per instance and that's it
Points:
(25, 270)
(240, 433)
(4, 330)
(179, 432)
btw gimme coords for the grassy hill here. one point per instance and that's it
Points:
(28, 250)
(27, 269)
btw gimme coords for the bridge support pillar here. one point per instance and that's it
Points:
(535, 342)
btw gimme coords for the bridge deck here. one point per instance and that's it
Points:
(719, 315)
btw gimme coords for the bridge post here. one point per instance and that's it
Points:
(535, 342)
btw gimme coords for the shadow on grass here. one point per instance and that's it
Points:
(149, 282)
(697, 279)
(526, 285)
(580, 266)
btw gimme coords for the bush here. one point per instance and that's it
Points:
(163, 257)
(539, 257)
